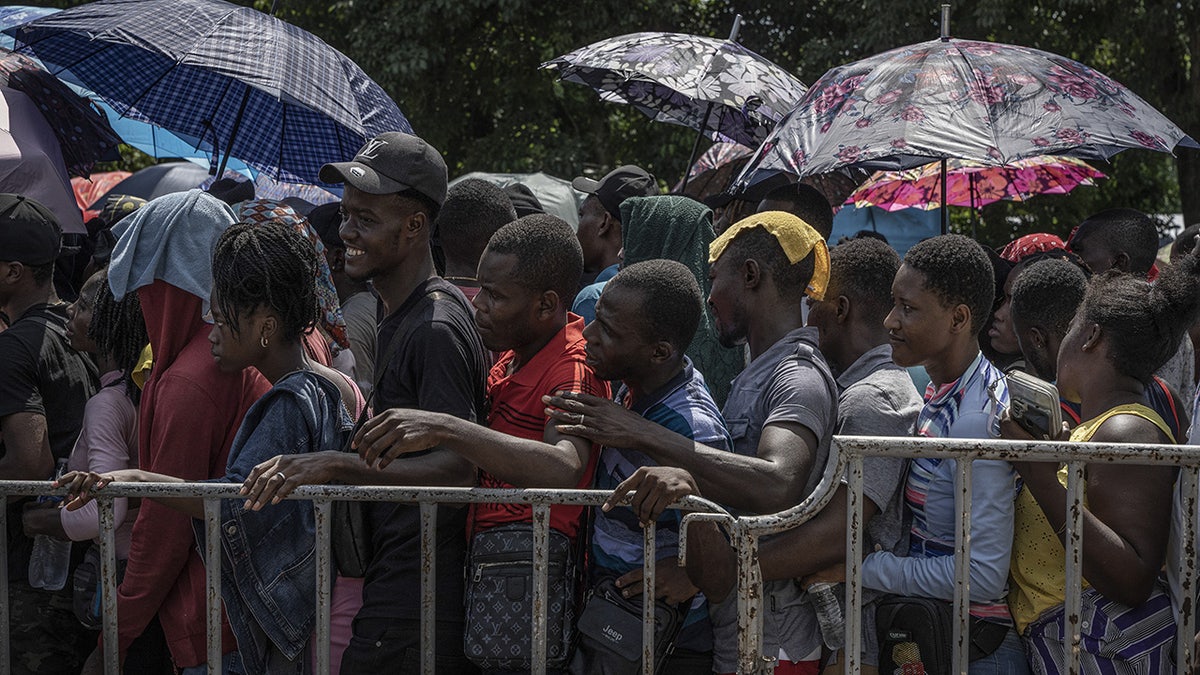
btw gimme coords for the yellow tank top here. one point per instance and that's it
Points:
(1037, 573)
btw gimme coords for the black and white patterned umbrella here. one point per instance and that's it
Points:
(717, 87)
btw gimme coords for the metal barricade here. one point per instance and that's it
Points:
(847, 457)
(322, 497)
(845, 462)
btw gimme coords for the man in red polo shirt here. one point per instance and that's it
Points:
(527, 277)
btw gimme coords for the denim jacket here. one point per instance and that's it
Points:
(268, 572)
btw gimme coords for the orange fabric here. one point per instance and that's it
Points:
(88, 191)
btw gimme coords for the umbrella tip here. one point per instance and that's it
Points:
(737, 28)
(945, 21)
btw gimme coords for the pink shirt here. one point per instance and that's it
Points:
(107, 442)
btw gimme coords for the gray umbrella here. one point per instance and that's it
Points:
(717, 87)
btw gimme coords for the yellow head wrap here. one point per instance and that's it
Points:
(797, 238)
(141, 371)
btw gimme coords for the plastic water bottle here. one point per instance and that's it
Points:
(51, 556)
(829, 614)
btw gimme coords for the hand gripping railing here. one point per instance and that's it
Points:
(847, 455)
(744, 533)
(322, 497)
(1076, 456)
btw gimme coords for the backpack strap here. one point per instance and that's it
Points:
(401, 336)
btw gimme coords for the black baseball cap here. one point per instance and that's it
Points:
(523, 200)
(29, 232)
(393, 162)
(618, 185)
(326, 219)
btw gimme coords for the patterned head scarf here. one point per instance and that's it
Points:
(797, 238)
(1014, 251)
(117, 207)
(260, 211)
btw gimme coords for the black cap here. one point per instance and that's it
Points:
(325, 220)
(232, 191)
(393, 162)
(29, 232)
(620, 184)
(523, 200)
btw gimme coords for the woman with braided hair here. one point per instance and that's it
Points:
(263, 301)
(114, 333)
(1125, 329)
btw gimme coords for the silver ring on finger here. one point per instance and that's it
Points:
(581, 419)
(280, 476)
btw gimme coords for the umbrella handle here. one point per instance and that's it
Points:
(212, 168)
(687, 170)
(237, 124)
(945, 211)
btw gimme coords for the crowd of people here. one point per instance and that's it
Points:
(416, 334)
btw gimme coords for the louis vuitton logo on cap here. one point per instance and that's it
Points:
(393, 162)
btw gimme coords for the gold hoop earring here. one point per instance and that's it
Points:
(263, 341)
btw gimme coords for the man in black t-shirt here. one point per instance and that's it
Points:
(44, 385)
(428, 356)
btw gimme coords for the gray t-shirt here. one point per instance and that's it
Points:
(789, 382)
(878, 399)
(360, 312)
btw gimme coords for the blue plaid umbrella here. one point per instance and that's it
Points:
(252, 86)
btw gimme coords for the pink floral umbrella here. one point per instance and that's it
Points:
(959, 99)
(973, 184)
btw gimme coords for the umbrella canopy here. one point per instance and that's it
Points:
(718, 156)
(714, 171)
(988, 102)
(973, 184)
(156, 181)
(154, 141)
(249, 85)
(717, 87)
(82, 131)
(15, 15)
(556, 195)
(88, 190)
(31, 162)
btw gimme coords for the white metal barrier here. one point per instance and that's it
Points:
(322, 497)
(846, 459)
(848, 455)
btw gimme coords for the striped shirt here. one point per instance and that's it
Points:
(965, 408)
(684, 406)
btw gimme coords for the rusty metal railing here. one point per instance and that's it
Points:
(848, 454)
(322, 498)
(845, 461)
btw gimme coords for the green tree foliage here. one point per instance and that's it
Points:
(465, 73)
